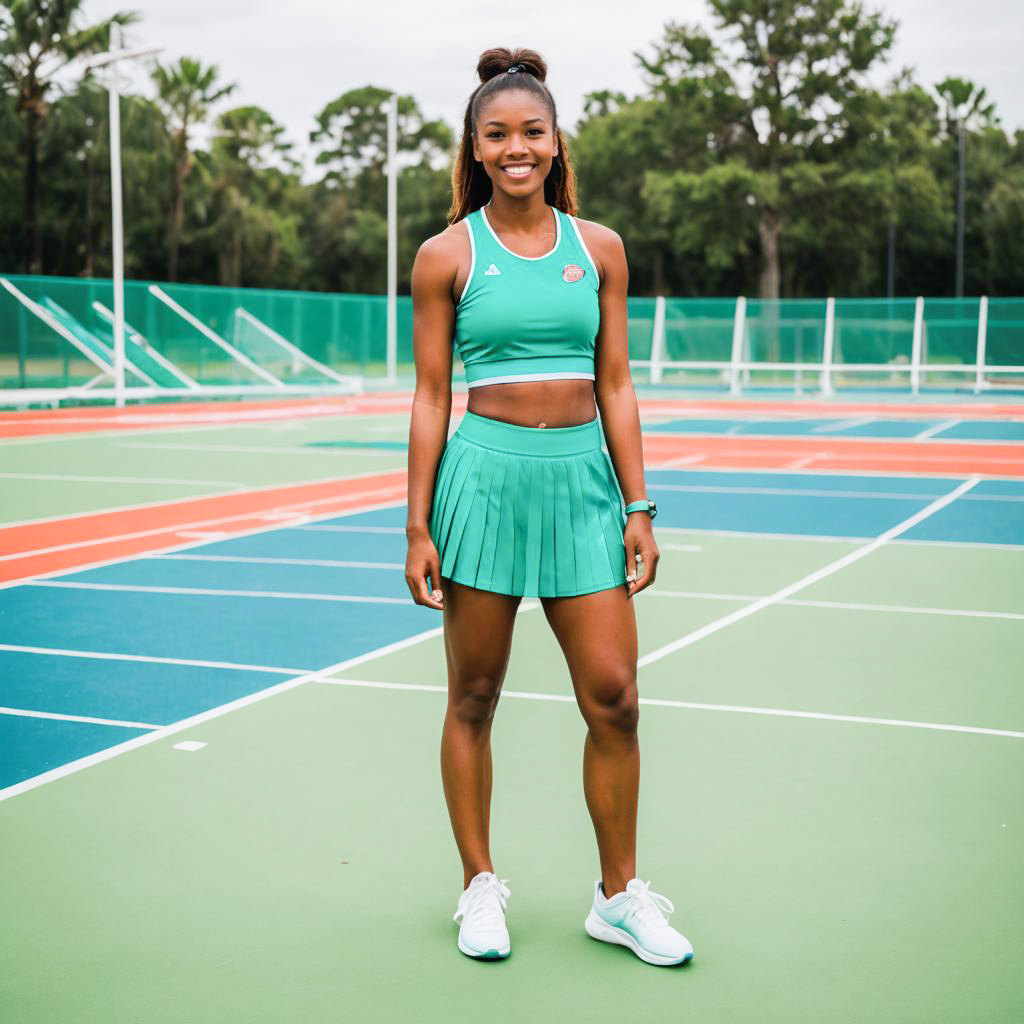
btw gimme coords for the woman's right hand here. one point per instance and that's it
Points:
(422, 561)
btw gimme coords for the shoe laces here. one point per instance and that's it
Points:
(485, 903)
(648, 907)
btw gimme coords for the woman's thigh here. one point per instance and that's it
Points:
(478, 627)
(597, 634)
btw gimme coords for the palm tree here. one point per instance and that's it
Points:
(185, 92)
(37, 39)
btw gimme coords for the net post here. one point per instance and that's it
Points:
(737, 344)
(658, 340)
(915, 348)
(979, 371)
(826, 355)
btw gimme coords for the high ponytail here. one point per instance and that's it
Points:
(501, 69)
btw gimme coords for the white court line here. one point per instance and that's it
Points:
(681, 547)
(63, 652)
(692, 705)
(188, 545)
(936, 428)
(23, 713)
(65, 478)
(758, 535)
(99, 541)
(192, 497)
(820, 574)
(204, 716)
(318, 562)
(830, 428)
(843, 605)
(790, 492)
(211, 592)
(682, 460)
(805, 461)
(786, 492)
(331, 528)
(885, 474)
(263, 450)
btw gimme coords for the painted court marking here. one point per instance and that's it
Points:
(561, 698)
(64, 652)
(189, 745)
(820, 574)
(325, 563)
(213, 592)
(23, 713)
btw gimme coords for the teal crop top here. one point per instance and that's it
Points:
(523, 318)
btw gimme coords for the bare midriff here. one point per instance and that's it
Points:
(536, 403)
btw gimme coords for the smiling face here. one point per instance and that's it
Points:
(515, 141)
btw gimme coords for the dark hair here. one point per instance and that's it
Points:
(471, 187)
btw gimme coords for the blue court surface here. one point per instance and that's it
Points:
(848, 426)
(149, 641)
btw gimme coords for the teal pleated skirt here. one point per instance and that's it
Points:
(529, 511)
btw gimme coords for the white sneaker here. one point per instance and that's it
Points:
(481, 915)
(634, 919)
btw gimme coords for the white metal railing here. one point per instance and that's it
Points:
(736, 366)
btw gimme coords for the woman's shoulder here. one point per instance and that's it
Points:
(604, 243)
(440, 256)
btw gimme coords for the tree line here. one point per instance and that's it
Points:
(758, 160)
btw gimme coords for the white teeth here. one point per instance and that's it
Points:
(519, 171)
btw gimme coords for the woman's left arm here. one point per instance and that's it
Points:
(616, 400)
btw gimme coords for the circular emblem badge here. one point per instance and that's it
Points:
(572, 272)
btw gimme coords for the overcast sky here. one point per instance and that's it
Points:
(293, 58)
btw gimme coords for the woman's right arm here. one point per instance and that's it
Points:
(433, 324)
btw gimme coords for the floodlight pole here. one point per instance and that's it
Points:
(111, 57)
(392, 328)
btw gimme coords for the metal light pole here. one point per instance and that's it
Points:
(391, 106)
(111, 57)
(961, 183)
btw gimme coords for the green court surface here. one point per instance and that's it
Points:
(831, 795)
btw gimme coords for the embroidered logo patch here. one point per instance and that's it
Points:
(491, 271)
(572, 272)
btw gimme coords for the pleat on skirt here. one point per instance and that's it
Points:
(529, 511)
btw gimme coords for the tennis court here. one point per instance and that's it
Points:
(221, 715)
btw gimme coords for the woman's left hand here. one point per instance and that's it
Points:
(641, 552)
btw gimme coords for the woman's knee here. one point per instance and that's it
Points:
(613, 706)
(474, 701)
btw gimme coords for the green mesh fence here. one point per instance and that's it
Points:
(178, 336)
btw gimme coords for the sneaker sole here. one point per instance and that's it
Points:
(598, 928)
(487, 954)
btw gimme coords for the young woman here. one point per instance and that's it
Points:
(522, 500)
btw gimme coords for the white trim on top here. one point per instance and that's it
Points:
(579, 235)
(515, 378)
(472, 259)
(558, 235)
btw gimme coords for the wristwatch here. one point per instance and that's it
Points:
(643, 505)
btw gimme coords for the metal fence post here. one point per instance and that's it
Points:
(737, 345)
(915, 348)
(658, 340)
(979, 374)
(826, 355)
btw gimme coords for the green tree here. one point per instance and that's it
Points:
(185, 91)
(253, 214)
(346, 224)
(37, 39)
(772, 87)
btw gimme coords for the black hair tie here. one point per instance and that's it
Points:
(514, 68)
